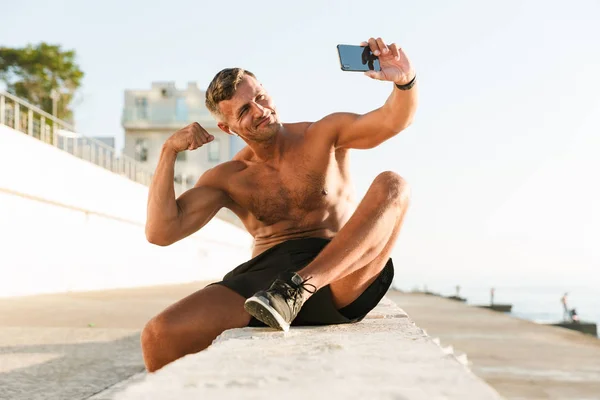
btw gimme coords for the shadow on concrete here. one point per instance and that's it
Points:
(78, 371)
(506, 308)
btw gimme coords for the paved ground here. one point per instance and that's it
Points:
(520, 359)
(72, 346)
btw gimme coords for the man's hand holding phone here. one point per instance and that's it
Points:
(395, 66)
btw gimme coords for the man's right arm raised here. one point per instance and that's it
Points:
(171, 219)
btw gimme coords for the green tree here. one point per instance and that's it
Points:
(34, 72)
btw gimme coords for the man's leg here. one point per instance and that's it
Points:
(191, 325)
(349, 263)
(357, 254)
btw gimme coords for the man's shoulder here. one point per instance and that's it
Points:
(337, 118)
(328, 127)
(228, 168)
(328, 122)
(219, 174)
(297, 127)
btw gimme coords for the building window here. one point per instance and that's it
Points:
(214, 150)
(182, 156)
(141, 107)
(141, 150)
(181, 110)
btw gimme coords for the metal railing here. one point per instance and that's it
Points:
(35, 122)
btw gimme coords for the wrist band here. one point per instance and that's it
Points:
(408, 86)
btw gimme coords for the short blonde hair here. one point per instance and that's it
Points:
(223, 87)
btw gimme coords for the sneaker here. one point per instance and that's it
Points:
(279, 305)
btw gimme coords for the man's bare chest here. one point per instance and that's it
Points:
(289, 192)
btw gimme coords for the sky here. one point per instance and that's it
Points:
(501, 156)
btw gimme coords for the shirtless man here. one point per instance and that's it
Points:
(317, 258)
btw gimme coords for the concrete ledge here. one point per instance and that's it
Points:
(498, 307)
(590, 328)
(386, 356)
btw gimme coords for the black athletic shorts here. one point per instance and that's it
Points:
(259, 272)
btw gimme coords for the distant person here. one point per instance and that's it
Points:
(574, 316)
(318, 258)
(566, 313)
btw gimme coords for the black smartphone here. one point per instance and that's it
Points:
(357, 58)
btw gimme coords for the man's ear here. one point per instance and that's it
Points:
(225, 128)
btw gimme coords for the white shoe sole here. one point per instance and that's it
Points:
(260, 309)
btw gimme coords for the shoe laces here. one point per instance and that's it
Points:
(294, 291)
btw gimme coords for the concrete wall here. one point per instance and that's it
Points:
(386, 356)
(66, 224)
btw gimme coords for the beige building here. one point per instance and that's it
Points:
(151, 116)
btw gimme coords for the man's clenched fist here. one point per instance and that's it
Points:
(189, 138)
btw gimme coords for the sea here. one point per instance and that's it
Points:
(541, 304)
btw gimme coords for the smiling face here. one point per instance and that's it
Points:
(250, 113)
(241, 106)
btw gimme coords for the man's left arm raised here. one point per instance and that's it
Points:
(354, 131)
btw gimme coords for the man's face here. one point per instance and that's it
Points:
(250, 113)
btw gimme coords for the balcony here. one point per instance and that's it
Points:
(164, 117)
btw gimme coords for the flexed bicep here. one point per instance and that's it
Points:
(197, 207)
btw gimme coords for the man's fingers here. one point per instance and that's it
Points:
(203, 136)
(375, 75)
(195, 127)
(394, 49)
(382, 47)
(378, 47)
(373, 46)
(208, 137)
(199, 139)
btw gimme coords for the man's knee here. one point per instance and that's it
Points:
(155, 339)
(151, 332)
(392, 188)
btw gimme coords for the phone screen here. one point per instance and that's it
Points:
(357, 58)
